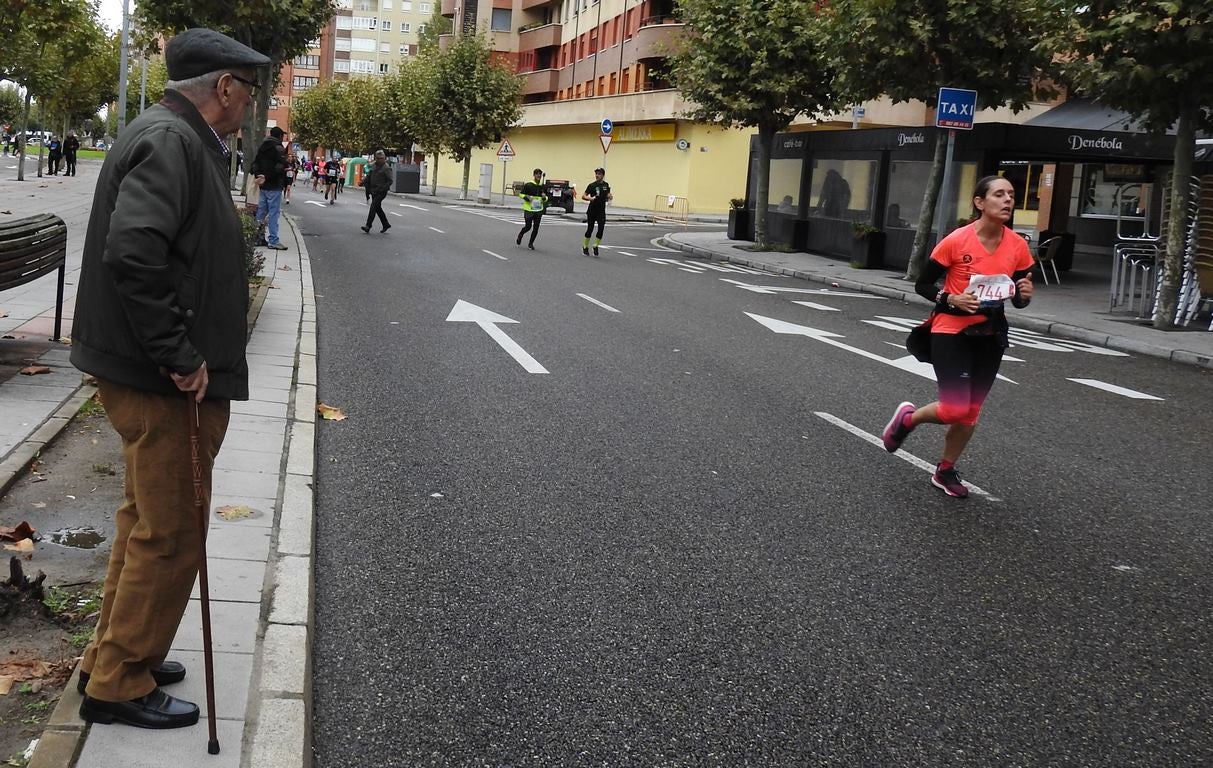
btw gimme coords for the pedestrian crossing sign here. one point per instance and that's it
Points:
(506, 150)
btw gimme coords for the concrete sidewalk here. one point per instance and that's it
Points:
(1077, 308)
(260, 565)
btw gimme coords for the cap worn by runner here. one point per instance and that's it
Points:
(198, 51)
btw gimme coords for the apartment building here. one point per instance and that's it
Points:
(366, 37)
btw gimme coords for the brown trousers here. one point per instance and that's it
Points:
(156, 543)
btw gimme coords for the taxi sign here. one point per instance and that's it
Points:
(955, 108)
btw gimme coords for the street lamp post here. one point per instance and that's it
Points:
(122, 65)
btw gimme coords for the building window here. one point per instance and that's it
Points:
(424, 7)
(383, 69)
(385, 47)
(274, 103)
(302, 83)
(313, 43)
(406, 6)
(363, 5)
(364, 44)
(341, 65)
(307, 62)
(343, 43)
(420, 29)
(1106, 198)
(501, 20)
(345, 5)
(385, 25)
(405, 27)
(387, 5)
(365, 22)
(404, 50)
(362, 66)
(345, 22)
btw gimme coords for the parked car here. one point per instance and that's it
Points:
(561, 194)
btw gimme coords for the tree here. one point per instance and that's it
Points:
(280, 30)
(316, 115)
(481, 99)
(88, 74)
(754, 64)
(909, 49)
(1154, 60)
(416, 87)
(436, 27)
(10, 104)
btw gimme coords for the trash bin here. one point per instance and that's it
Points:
(408, 178)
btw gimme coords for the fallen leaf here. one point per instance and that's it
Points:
(23, 531)
(6, 683)
(285, 268)
(22, 670)
(234, 512)
(25, 545)
(330, 413)
(35, 369)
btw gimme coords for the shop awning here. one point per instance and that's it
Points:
(1086, 115)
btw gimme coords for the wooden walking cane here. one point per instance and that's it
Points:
(208, 665)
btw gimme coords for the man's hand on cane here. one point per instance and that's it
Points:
(195, 382)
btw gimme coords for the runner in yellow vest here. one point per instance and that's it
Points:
(534, 203)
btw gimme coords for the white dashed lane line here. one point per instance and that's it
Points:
(439, 231)
(592, 300)
(1123, 391)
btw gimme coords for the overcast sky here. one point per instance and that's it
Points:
(111, 13)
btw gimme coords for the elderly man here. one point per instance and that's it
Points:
(160, 321)
(378, 182)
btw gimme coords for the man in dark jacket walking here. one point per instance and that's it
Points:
(160, 321)
(269, 174)
(70, 146)
(378, 182)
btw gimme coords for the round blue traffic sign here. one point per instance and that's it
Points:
(607, 125)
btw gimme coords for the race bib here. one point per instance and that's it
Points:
(991, 290)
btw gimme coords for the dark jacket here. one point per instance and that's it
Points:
(162, 278)
(378, 181)
(70, 145)
(270, 162)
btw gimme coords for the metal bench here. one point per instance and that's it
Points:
(31, 248)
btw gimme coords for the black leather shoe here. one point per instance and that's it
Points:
(155, 710)
(166, 674)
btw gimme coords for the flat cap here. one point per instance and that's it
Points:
(197, 51)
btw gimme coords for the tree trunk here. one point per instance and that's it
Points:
(434, 176)
(21, 140)
(926, 215)
(467, 172)
(41, 139)
(762, 183)
(249, 139)
(1177, 226)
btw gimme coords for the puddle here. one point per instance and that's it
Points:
(80, 538)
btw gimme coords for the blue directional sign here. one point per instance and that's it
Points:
(607, 125)
(956, 108)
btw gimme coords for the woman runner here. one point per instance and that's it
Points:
(983, 264)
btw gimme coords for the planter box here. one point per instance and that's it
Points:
(739, 224)
(867, 252)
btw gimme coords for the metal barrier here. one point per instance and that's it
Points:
(671, 208)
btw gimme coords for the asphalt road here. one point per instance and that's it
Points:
(679, 546)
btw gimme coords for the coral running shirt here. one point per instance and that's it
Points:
(963, 256)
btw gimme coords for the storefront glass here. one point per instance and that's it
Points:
(784, 192)
(1107, 195)
(843, 189)
(907, 183)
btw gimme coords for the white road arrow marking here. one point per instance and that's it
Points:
(464, 312)
(496, 255)
(418, 207)
(815, 305)
(1106, 387)
(1005, 358)
(901, 454)
(592, 300)
(907, 363)
(816, 291)
(313, 202)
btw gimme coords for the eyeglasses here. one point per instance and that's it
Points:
(252, 87)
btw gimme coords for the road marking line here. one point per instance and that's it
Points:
(625, 253)
(497, 255)
(592, 300)
(815, 305)
(901, 454)
(418, 207)
(1097, 384)
(439, 231)
(401, 215)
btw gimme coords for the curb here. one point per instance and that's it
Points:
(1040, 325)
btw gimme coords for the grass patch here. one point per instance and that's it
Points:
(92, 407)
(91, 154)
(81, 638)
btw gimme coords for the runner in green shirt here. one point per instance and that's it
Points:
(534, 203)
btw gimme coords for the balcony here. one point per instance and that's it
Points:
(529, 4)
(448, 8)
(540, 81)
(539, 37)
(657, 38)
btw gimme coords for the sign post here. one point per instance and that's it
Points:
(954, 110)
(505, 153)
